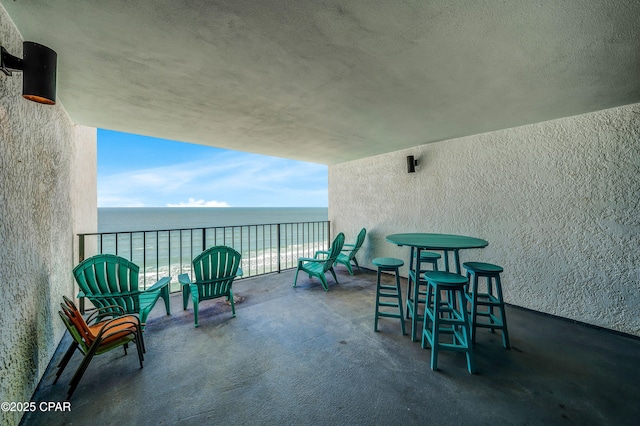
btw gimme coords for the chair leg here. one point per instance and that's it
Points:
(404, 331)
(505, 333)
(334, 275)
(186, 292)
(355, 261)
(164, 293)
(295, 279)
(435, 330)
(65, 360)
(490, 292)
(426, 318)
(409, 300)
(81, 369)
(143, 317)
(466, 332)
(375, 322)
(144, 347)
(348, 265)
(195, 312)
(233, 308)
(474, 309)
(323, 281)
(139, 347)
(140, 339)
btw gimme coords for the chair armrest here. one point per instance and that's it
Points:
(327, 252)
(349, 246)
(117, 324)
(98, 315)
(184, 279)
(310, 259)
(164, 282)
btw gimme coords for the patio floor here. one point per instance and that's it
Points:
(301, 356)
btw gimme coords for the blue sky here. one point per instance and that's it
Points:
(139, 171)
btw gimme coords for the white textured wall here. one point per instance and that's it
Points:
(84, 186)
(558, 202)
(40, 151)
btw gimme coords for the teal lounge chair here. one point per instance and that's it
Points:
(348, 253)
(107, 279)
(318, 267)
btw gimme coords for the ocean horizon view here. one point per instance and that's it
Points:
(164, 240)
(128, 219)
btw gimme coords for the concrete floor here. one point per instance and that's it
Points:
(300, 356)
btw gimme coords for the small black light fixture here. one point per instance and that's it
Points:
(39, 68)
(411, 164)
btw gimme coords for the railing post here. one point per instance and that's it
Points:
(144, 260)
(279, 254)
(80, 247)
(204, 239)
(80, 259)
(158, 256)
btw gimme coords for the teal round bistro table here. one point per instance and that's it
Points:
(447, 243)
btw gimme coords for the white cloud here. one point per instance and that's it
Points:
(200, 203)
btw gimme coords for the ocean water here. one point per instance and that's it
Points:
(163, 241)
(129, 219)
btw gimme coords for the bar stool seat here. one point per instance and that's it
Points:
(486, 318)
(446, 316)
(385, 292)
(430, 257)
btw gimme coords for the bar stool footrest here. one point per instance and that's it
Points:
(388, 315)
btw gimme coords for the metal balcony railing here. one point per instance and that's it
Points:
(265, 248)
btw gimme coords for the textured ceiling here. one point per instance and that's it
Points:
(332, 81)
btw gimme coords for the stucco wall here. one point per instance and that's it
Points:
(558, 202)
(40, 150)
(84, 186)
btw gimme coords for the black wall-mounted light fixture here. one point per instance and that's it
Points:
(39, 71)
(411, 164)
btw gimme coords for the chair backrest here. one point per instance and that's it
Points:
(334, 251)
(81, 330)
(76, 325)
(215, 270)
(113, 280)
(359, 241)
(73, 331)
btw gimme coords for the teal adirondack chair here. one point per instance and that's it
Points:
(348, 253)
(107, 280)
(318, 267)
(215, 270)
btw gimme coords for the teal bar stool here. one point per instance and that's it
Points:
(445, 315)
(428, 258)
(388, 264)
(490, 300)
